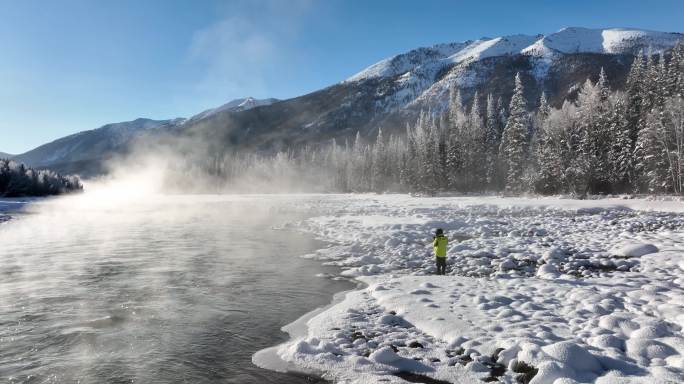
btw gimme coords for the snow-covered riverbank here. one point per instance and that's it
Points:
(548, 289)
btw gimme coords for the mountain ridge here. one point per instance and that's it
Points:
(391, 92)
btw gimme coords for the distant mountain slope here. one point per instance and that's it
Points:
(387, 94)
(85, 151)
(4, 155)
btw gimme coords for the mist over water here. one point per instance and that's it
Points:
(153, 288)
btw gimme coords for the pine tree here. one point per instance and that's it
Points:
(454, 153)
(426, 144)
(515, 138)
(635, 96)
(674, 70)
(619, 155)
(492, 124)
(548, 157)
(652, 161)
(475, 134)
(379, 167)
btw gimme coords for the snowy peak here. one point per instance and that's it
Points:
(608, 41)
(403, 63)
(498, 46)
(236, 105)
(566, 41)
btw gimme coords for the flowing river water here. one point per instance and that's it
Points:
(157, 290)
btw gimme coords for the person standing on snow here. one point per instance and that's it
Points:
(439, 244)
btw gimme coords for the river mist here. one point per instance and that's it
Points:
(155, 288)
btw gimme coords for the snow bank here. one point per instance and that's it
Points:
(547, 290)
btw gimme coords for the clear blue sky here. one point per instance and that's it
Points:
(72, 65)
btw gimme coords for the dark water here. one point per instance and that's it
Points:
(174, 289)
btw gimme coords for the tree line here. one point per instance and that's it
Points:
(18, 180)
(604, 141)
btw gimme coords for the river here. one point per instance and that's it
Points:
(153, 290)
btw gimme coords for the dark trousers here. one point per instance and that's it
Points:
(441, 265)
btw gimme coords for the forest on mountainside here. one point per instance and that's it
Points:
(628, 140)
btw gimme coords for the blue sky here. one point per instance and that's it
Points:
(72, 65)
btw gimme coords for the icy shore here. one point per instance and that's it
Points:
(539, 290)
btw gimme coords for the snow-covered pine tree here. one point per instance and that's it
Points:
(673, 121)
(379, 167)
(602, 135)
(442, 150)
(454, 152)
(474, 135)
(500, 179)
(619, 155)
(356, 165)
(515, 139)
(674, 70)
(492, 124)
(430, 165)
(553, 150)
(406, 172)
(660, 91)
(652, 161)
(634, 89)
(532, 170)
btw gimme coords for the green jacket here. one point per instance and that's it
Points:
(439, 245)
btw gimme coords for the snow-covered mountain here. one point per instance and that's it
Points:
(234, 106)
(565, 41)
(85, 152)
(391, 93)
(424, 75)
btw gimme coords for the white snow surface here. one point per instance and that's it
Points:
(582, 291)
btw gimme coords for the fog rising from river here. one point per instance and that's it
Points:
(117, 285)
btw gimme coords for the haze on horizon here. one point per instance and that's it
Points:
(75, 65)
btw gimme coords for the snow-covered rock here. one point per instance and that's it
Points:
(634, 250)
(572, 355)
(384, 355)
